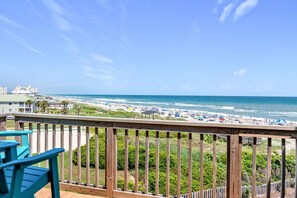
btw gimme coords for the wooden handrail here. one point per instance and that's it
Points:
(161, 125)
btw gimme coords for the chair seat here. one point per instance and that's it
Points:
(32, 174)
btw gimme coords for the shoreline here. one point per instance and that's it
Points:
(177, 113)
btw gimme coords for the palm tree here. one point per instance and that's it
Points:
(29, 103)
(38, 105)
(44, 106)
(77, 107)
(65, 107)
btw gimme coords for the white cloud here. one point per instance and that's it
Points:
(20, 40)
(59, 15)
(244, 7)
(227, 11)
(215, 10)
(104, 74)
(126, 44)
(9, 22)
(220, 2)
(105, 4)
(240, 73)
(90, 72)
(195, 27)
(101, 58)
(70, 46)
(101, 69)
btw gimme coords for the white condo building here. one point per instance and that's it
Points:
(3, 90)
(16, 103)
(25, 90)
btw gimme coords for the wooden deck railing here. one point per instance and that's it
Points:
(81, 134)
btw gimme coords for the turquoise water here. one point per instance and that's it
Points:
(264, 107)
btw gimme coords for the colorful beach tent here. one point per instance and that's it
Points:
(280, 122)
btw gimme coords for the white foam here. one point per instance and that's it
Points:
(245, 111)
(110, 100)
(228, 107)
(186, 105)
(288, 114)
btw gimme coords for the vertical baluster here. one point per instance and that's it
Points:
(126, 161)
(295, 168)
(70, 154)
(239, 164)
(229, 161)
(108, 161)
(62, 154)
(30, 137)
(136, 160)
(167, 164)
(214, 173)
(178, 164)
(254, 167)
(147, 150)
(46, 141)
(283, 178)
(88, 156)
(268, 176)
(54, 133)
(201, 164)
(3, 127)
(18, 127)
(190, 167)
(38, 140)
(115, 139)
(157, 164)
(96, 157)
(79, 154)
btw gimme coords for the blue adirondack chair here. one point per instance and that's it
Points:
(23, 150)
(18, 178)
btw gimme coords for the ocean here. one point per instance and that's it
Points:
(260, 107)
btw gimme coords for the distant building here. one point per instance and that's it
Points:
(25, 90)
(3, 90)
(15, 103)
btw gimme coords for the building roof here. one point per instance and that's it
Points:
(14, 98)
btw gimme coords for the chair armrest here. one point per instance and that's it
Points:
(14, 133)
(22, 163)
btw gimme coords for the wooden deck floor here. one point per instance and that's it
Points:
(46, 193)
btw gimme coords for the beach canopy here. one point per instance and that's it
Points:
(280, 121)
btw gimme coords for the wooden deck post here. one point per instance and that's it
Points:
(233, 166)
(2, 126)
(110, 160)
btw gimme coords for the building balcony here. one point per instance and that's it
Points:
(112, 157)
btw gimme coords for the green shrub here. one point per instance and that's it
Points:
(208, 164)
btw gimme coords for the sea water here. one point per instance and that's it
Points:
(261, 107)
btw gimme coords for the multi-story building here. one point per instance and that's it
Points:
(15, 103)
(3, 90)
(25, 90)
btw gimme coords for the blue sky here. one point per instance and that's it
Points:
(190, 47)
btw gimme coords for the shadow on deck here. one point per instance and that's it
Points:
(46, 193)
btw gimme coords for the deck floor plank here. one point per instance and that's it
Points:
(46, 193)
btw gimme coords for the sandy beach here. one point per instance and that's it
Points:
(184, 114)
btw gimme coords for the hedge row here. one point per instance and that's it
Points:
(208, 167)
